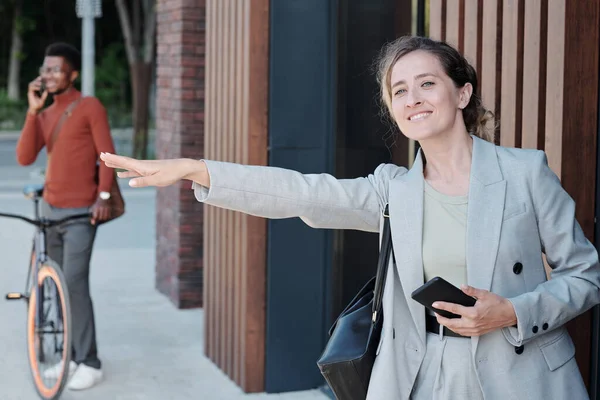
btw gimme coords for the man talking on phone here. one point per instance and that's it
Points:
(71, 187)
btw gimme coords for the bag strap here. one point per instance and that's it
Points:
(61, 121)
(382, 265)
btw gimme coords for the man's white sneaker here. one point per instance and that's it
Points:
(55, 370)
(84, 378)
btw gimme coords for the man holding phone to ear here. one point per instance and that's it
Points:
(71, 187)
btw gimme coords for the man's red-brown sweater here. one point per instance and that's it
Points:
(70, 175)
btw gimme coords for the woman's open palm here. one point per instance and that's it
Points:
(148, 172)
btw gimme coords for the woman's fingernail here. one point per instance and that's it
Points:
(435, 305)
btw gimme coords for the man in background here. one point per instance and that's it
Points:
(71, 187)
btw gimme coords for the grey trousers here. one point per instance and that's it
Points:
(70, 245)
(447, 373)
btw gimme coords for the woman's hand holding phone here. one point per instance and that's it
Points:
(36, 95)
(490, 312)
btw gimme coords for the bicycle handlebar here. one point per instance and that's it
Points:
(46, 223)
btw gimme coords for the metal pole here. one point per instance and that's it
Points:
(88, 54)
(88, 10)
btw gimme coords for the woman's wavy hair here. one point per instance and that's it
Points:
(476, 117)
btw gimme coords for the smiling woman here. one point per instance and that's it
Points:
(451, 215)
(418, 76)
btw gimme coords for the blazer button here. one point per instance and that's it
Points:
(545, 326)
(535, 329)
(519, 350)
(517, 268)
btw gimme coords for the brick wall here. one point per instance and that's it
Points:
(180, 133)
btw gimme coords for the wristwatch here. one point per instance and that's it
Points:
(104, 195)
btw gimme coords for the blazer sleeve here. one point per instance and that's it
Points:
(575, 276)
(320, 200)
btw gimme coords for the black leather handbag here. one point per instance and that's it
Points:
(348, 358)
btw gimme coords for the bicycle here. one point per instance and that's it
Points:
(49, 319)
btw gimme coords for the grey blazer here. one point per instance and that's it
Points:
(517, 211)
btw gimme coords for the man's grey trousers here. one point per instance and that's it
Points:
(70, 245)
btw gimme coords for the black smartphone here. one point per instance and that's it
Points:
(439, 289)
(42, 88)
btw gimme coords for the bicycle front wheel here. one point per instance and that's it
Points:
(49, 332)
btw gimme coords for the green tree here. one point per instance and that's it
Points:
(139, 32)
(16, 48)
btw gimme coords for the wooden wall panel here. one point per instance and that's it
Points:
(555, 87)
(539, 74)
(437, 22)
(472, 39)
(235, 243)
(454, 22)
(256, 83)
(531, 73)
(579, 134)
(211, 43)
(512, 78)
(491, 52)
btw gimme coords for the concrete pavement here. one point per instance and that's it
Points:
(150, 350)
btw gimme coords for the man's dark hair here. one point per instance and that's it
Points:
(66, 51)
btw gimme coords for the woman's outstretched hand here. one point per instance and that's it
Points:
(489, 313)
(157, 172)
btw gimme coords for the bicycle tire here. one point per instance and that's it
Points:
(49, 270)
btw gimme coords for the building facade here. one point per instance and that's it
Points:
(289, 83)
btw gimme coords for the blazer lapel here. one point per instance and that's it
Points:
(406, 222)
(487, 190)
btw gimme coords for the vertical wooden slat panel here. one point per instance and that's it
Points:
(210, 252)
(238, 259)
(208, 210)
(479, 40)
(555, 84)
(246, 160)
(510, 112)
(435, 19)
(214, 155)
(218, 51)
(461, 25)
(257, 227)
(579, 136)
(227, 157)
(221, 137)
(219, 212)
(229, 132)
(489, 56)
(232, 146)
(205, 240)
(519, 82)
(453, 21)
(531, 71)
(471, 39)
(236, 131)
(543, 56)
